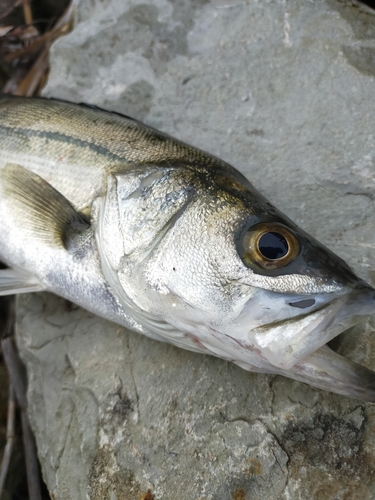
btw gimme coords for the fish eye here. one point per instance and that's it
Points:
(270, 245)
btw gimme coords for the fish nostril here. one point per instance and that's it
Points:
(302, 304)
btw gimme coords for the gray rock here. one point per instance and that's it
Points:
(284, 91)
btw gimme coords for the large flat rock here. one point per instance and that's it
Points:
(284, 91)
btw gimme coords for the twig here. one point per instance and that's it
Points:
(33, 78)
(364, 6)
(10, 438)
(9, 306)
(32, 468)
(15, 369)
(27, 12)
(14, 366)
(67, 16)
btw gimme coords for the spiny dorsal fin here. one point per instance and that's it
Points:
(41, 210)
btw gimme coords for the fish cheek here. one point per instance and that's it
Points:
(197, 262)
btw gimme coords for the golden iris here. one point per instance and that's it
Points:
(270, 245)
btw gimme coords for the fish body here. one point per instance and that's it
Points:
(171, 242)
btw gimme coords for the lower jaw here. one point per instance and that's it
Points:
(332, 372)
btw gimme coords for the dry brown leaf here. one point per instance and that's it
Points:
(5, 29)
(27, 51)
(62, 26)
(31, 82)
(16, 41)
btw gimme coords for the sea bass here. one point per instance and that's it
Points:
(171, 242)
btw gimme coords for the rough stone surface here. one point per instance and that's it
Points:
(283, 90)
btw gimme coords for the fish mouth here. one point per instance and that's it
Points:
(289, 342)
(328, 370)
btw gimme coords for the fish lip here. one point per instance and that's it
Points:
(358, 301)
(290, 342)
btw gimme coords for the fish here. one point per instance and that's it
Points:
(171, 242)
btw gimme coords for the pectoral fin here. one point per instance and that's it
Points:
(13, 282)
(42, 211)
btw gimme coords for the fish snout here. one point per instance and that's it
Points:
(288, 340)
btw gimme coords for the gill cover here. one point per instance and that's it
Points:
(138, 209)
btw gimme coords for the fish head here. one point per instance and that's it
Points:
(206, 262)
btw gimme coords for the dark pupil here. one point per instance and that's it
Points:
(273, 246)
